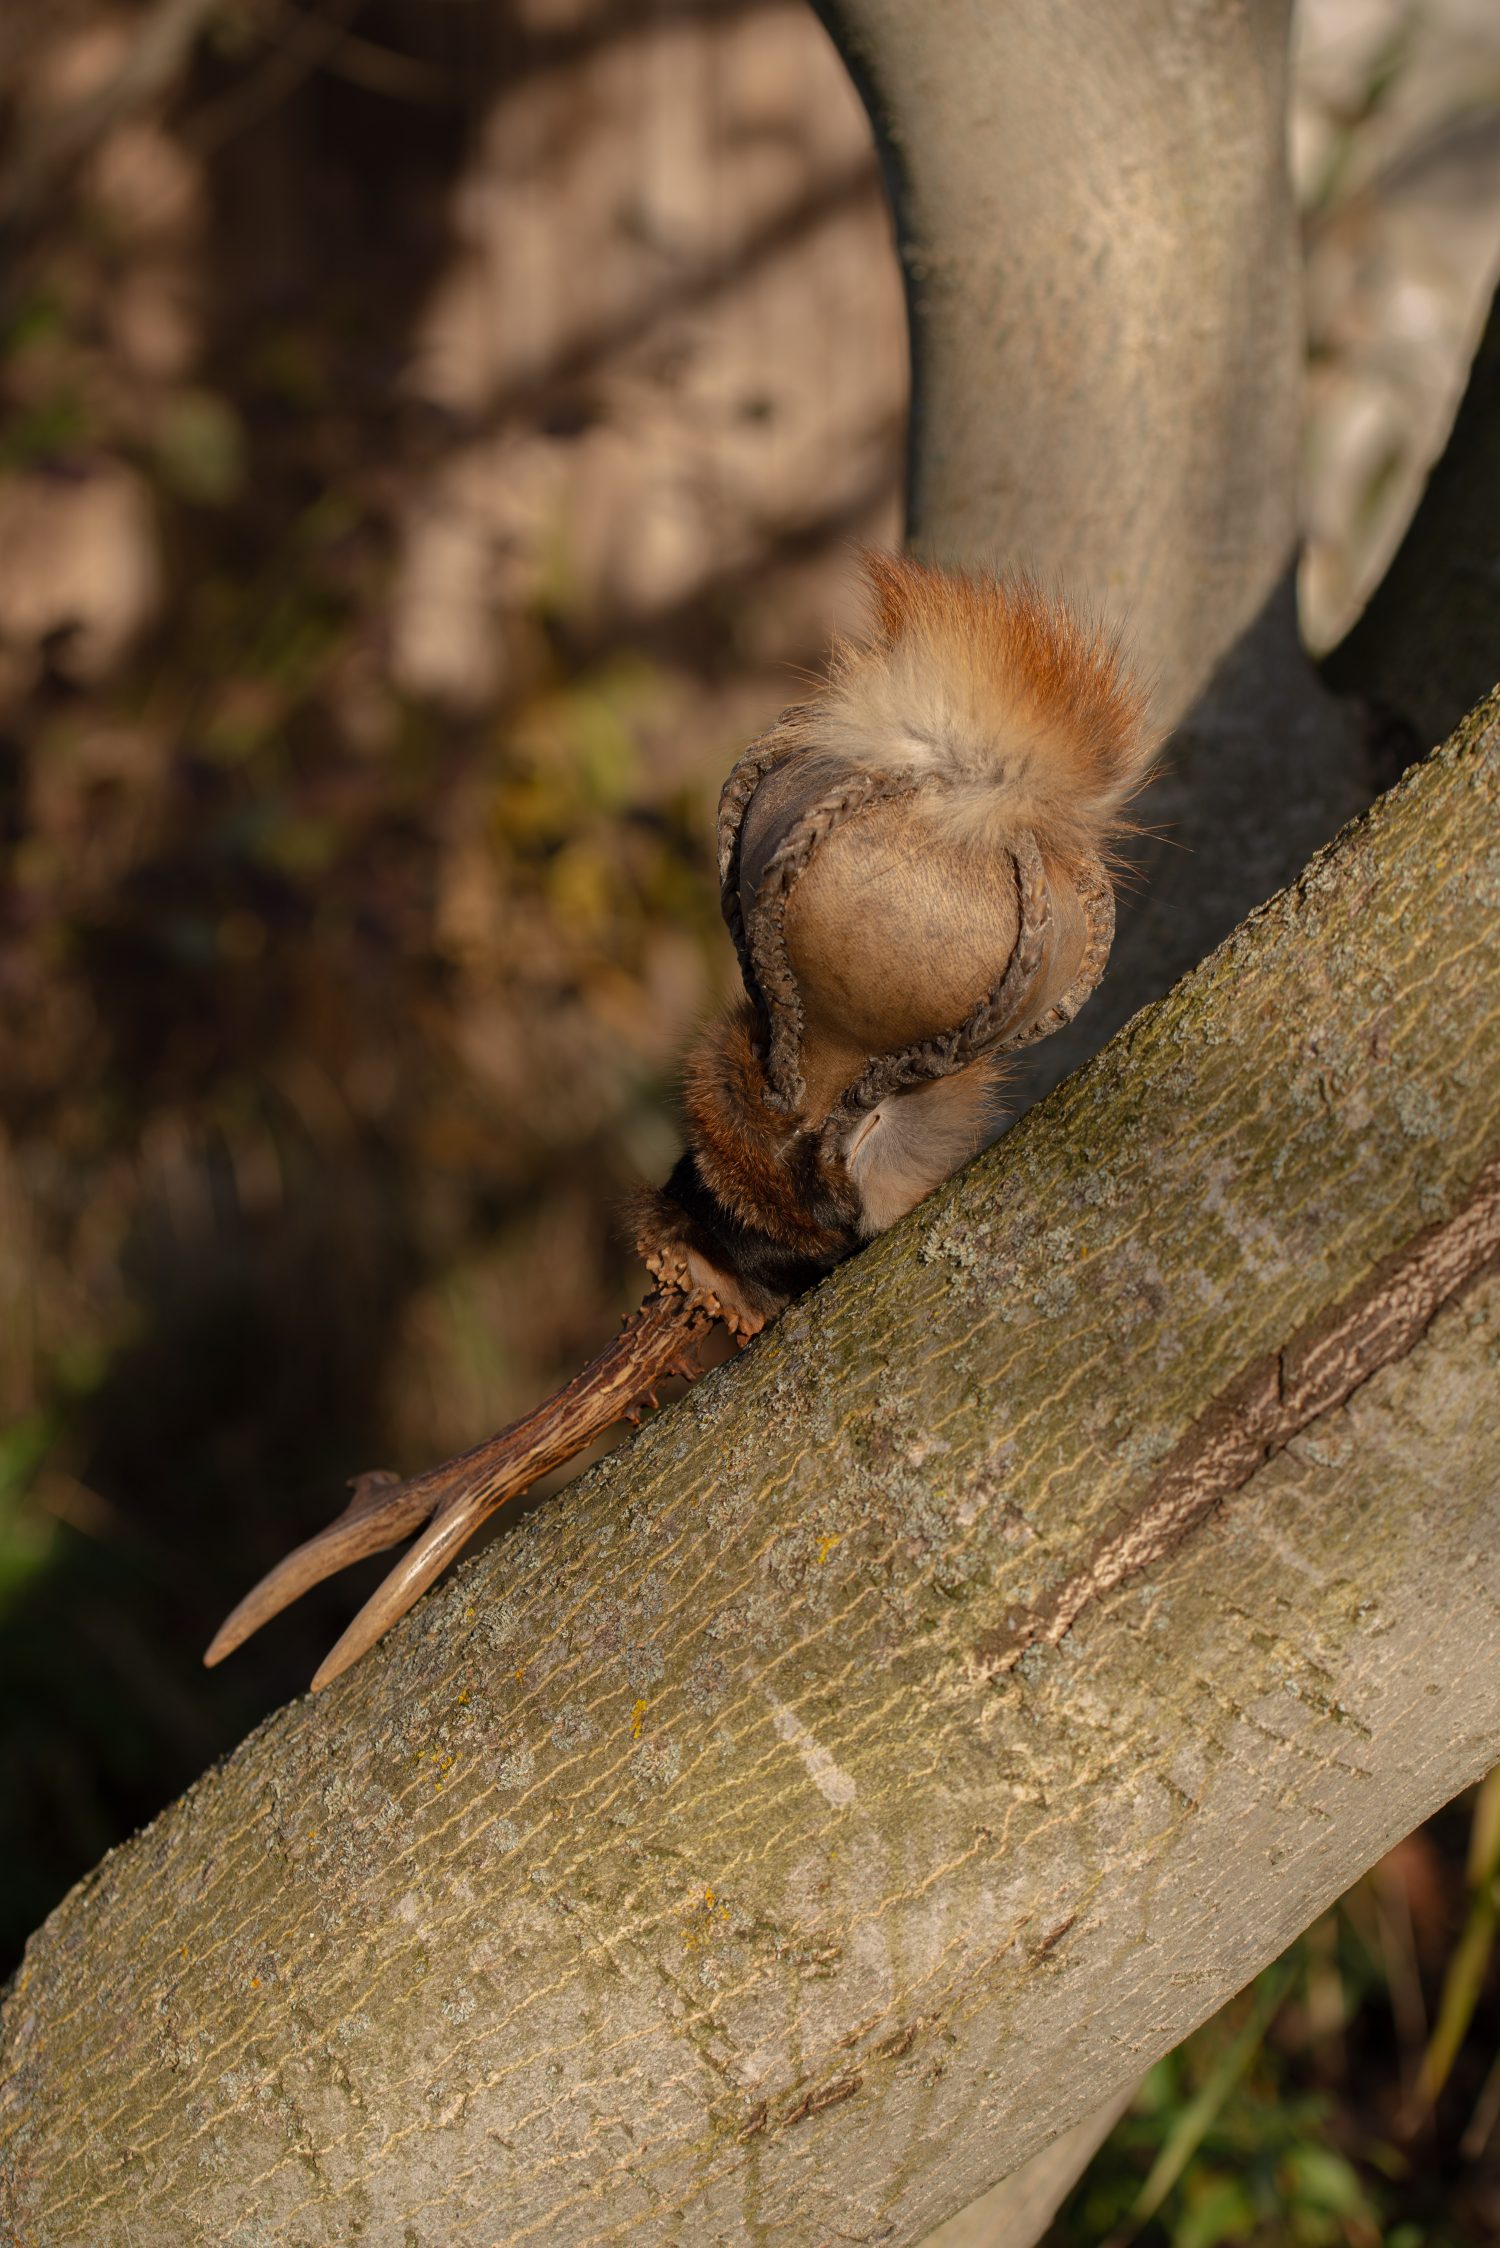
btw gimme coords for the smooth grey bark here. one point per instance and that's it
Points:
(1018, 2211)
(797, 1825)
(1100, 243)
(1103, 267)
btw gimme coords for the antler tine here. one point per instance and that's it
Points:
(457, 1497)
(382, 1512)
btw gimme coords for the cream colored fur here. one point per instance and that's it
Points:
(1017, 712)
(902, 1149)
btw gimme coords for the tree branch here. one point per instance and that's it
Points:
(1105, 289)
(744, 1843)
(1429, 641)
(1105, 281)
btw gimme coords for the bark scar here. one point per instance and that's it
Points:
(1055, 1936)
(826, 2096)
(1257, 1414)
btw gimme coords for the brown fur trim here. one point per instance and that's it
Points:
(769, 1174)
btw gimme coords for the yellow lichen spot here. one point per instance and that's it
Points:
(255, 1982)
(182, 1951)
(520, 1672)
(696, 1932)
(827, 1542)
(637, 1720)
(463, 1697)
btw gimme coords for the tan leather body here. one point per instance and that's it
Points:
(893, 933)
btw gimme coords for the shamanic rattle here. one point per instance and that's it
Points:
(912, 869)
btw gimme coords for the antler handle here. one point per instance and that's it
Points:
(455, 1498)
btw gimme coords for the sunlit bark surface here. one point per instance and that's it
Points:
(917, 1730)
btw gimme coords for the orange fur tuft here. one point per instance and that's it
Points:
(1021, 713)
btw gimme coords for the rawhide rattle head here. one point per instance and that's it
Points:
(912, 872)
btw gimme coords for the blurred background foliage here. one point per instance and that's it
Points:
(433, 437)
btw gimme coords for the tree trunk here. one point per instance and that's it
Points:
(1105, 281)
(1104, 274)
(847, 1787)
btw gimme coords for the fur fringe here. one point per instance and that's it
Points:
(1022, 713)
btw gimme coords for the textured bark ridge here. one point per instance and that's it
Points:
(680, 1870)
